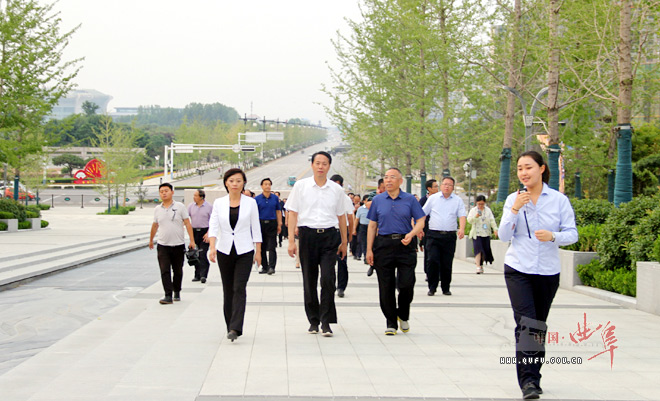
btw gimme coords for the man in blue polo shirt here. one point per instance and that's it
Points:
(391, 245)
(270, 217)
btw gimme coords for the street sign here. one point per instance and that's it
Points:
(529, 120)
(246, 148)
(275, 136)
(183, 149)
(255, 137)
(236, 148)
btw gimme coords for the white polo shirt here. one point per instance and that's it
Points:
(317, 207)
(170, 223)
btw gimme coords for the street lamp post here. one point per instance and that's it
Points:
(528, 118)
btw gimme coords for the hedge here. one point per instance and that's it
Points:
(15, 208)
(43, 206)
(645, 233)
(3, 226)
(113, 211)
(656, 249)
(35, 209)
(591, 211)
(44, 224)
(6, 215)
(622, 281)
(588, 237)
(24, 225)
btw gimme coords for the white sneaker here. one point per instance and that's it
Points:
(405, 326)
(390, 331)
(480, 270)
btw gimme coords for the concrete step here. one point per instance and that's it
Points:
(29, 266)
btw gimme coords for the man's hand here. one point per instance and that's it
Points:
(151, 244)
(205, 238)
(461, 233)
(279, 228)
(192, 244)
(292, 247)
(370, 257)
(342, 251)
(406, 240)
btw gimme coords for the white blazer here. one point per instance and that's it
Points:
(247, 231)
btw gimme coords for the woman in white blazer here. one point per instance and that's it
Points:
(235, 235)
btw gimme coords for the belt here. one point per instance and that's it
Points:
(443, 232)
(200, 229)
(393, 236)
(318, 230)
(266, 221)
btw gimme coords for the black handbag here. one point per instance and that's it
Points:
(193, 256)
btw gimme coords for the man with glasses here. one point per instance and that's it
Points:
(169, 219)
(200, 213)
(444, 209)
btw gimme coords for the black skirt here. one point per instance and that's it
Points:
(482, 246)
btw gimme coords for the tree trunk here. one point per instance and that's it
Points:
(509, 116)
(553, 94)
(624, 176)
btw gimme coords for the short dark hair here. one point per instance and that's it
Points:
(233, 171)
(366, 197)
(381, 181)
(429, 183)
(201, 193)
(266, 179)
(536, 156)
(480, 198)
(322, 153)
(166, 184)
(338, 179)
(449, 178)
(277, 193)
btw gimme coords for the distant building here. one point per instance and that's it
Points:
(72, 103)
(125, 111)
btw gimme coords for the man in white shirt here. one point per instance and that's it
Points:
(316, 205)
(342, 263)
(443, 209)
(169, 219)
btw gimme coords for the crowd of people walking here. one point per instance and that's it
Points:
(385, 229)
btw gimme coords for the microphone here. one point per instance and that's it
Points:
(523, 190)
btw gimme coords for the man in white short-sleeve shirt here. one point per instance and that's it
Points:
(316, 205)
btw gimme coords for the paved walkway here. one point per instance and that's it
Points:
(141, 350)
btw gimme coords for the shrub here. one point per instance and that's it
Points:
(591, 211)
(587, 238)
(497, 209)
(644, 233)
(617, 232)
(113, 211)
(6, 215)
(43, 206)
(34, 209)
(31, 215)
(24, 225)
(131, 208)
(656, 249)
(44, 224)
(621, 281)
(13, 207)
(3, 226)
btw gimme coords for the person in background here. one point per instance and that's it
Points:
(200, 213)
(270, 216)
(342, 263)
(482, 220)
(537, 221)
(432, 187)
(360, 230)
(284, 233)
(235, 242)
(170, 218)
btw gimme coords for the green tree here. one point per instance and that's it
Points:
(89, 108)
(33, 75)
(70, 161)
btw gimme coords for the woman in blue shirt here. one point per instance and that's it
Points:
(537, 221)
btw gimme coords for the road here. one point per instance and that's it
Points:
(296, 164)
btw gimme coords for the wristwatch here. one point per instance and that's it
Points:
(553, 237)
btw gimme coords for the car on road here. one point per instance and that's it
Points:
(8, 192)
(292, 180)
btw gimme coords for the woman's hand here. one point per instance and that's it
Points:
(212, 255)
(543, 235)
(521, 200)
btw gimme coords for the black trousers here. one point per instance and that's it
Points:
(269, 238)
(342, 272)
(202, 267)
(170, 260)
(422, 243)
(531, 296)
(235, 273)
(318, 250)
(394, 262)
(441, 248)
(362, 240)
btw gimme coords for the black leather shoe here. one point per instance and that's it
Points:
(232, 335)
(370, 271)
(203, 280)
(340, 293)
(195, 279)
(530, 391)
(166, 300)
(177, 296)
(446, 292)
(313, 329)
(271, 271)
(263, 271)
(431, 293)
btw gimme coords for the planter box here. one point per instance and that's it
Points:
(464, 248)
(499, 248)
(12, 225)
(569, 260)
(648, 287)
(36, 223)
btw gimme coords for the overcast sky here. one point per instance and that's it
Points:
(272, 53)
